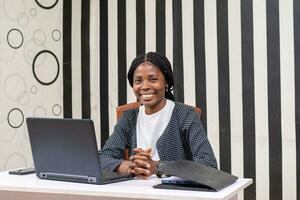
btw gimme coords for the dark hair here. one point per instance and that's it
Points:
(161, 62)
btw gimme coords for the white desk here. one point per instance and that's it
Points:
(29, 187)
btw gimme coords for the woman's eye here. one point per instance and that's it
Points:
(153, 79)
(137, 81)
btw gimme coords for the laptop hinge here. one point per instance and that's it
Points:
(67, 177)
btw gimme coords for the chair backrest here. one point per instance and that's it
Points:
(122, 108)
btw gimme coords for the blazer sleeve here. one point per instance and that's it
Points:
(111, 155)
(199, 145)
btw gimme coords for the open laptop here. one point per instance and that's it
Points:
(66, 150)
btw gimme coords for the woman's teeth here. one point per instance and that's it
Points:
(147, 96)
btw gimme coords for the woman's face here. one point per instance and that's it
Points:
(149, 87)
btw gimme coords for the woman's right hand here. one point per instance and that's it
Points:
(124, 168)
(142, 164)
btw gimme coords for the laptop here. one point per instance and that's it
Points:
(66, 150)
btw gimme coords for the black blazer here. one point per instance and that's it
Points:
(183, 138)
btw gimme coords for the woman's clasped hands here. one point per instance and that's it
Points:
(141, 164)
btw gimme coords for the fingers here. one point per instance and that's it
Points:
(141, 172)
(140, 150)
(140, 157)
(137, 150)
(140, 167)
(141, 163)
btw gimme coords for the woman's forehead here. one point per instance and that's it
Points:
(147, 67)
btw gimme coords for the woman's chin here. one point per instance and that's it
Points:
(147, 103)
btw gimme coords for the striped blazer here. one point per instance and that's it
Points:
(183, 138)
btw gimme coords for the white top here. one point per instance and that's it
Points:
(150, 127)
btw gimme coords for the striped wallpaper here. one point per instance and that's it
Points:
(239, 60)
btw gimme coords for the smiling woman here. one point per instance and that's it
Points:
(149, 87)
(160, 130)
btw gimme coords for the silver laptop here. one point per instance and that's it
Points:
(66, 150)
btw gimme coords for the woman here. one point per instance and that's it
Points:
(160, 129)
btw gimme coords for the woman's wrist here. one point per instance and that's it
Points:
(123, 168)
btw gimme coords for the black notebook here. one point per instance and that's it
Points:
(199, 177)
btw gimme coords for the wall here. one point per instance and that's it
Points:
(30, 73)
(236, 59)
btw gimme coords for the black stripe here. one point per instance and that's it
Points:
(199, 45)
(140, 27)
(122, 61)
(177, 51)
(248, 96)
(161, 26)
(297, 87)
(274, 102)
(67, 58)
(224, 93)
(85, 59)
(104, 102)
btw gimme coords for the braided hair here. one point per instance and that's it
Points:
(161, 62)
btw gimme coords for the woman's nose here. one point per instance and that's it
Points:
(145, 85)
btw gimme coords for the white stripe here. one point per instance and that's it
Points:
(169, 31)
(188, 52)
(95, 63)
(150, 24)
(261, 99)
(76, 59)
(112, 62)
(212, 75)
(289, 170)
(130, 41)
(235, 74)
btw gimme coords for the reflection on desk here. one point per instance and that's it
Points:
(29, 187)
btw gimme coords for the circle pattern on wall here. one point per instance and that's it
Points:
(56, 110)
(49, 71)
(33, 89)
(39, 37)
(9, 134)
(15, 38)
(46, 4)
(23, 98)
(7, 53)
(12, 8)
(39, 111)
(30, 50)
(14, 87)
(15, 118)
(15, 160)
(33, 12)
(23, 19)
(56, 35)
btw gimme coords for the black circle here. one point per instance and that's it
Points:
(7, 38)
(56, 30)
(46, 7)
(33, 68)
(21, 114)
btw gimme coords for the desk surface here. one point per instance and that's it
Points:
(134, 189)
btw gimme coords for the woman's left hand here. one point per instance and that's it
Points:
(142, 164)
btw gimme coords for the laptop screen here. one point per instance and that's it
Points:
(64, 146)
